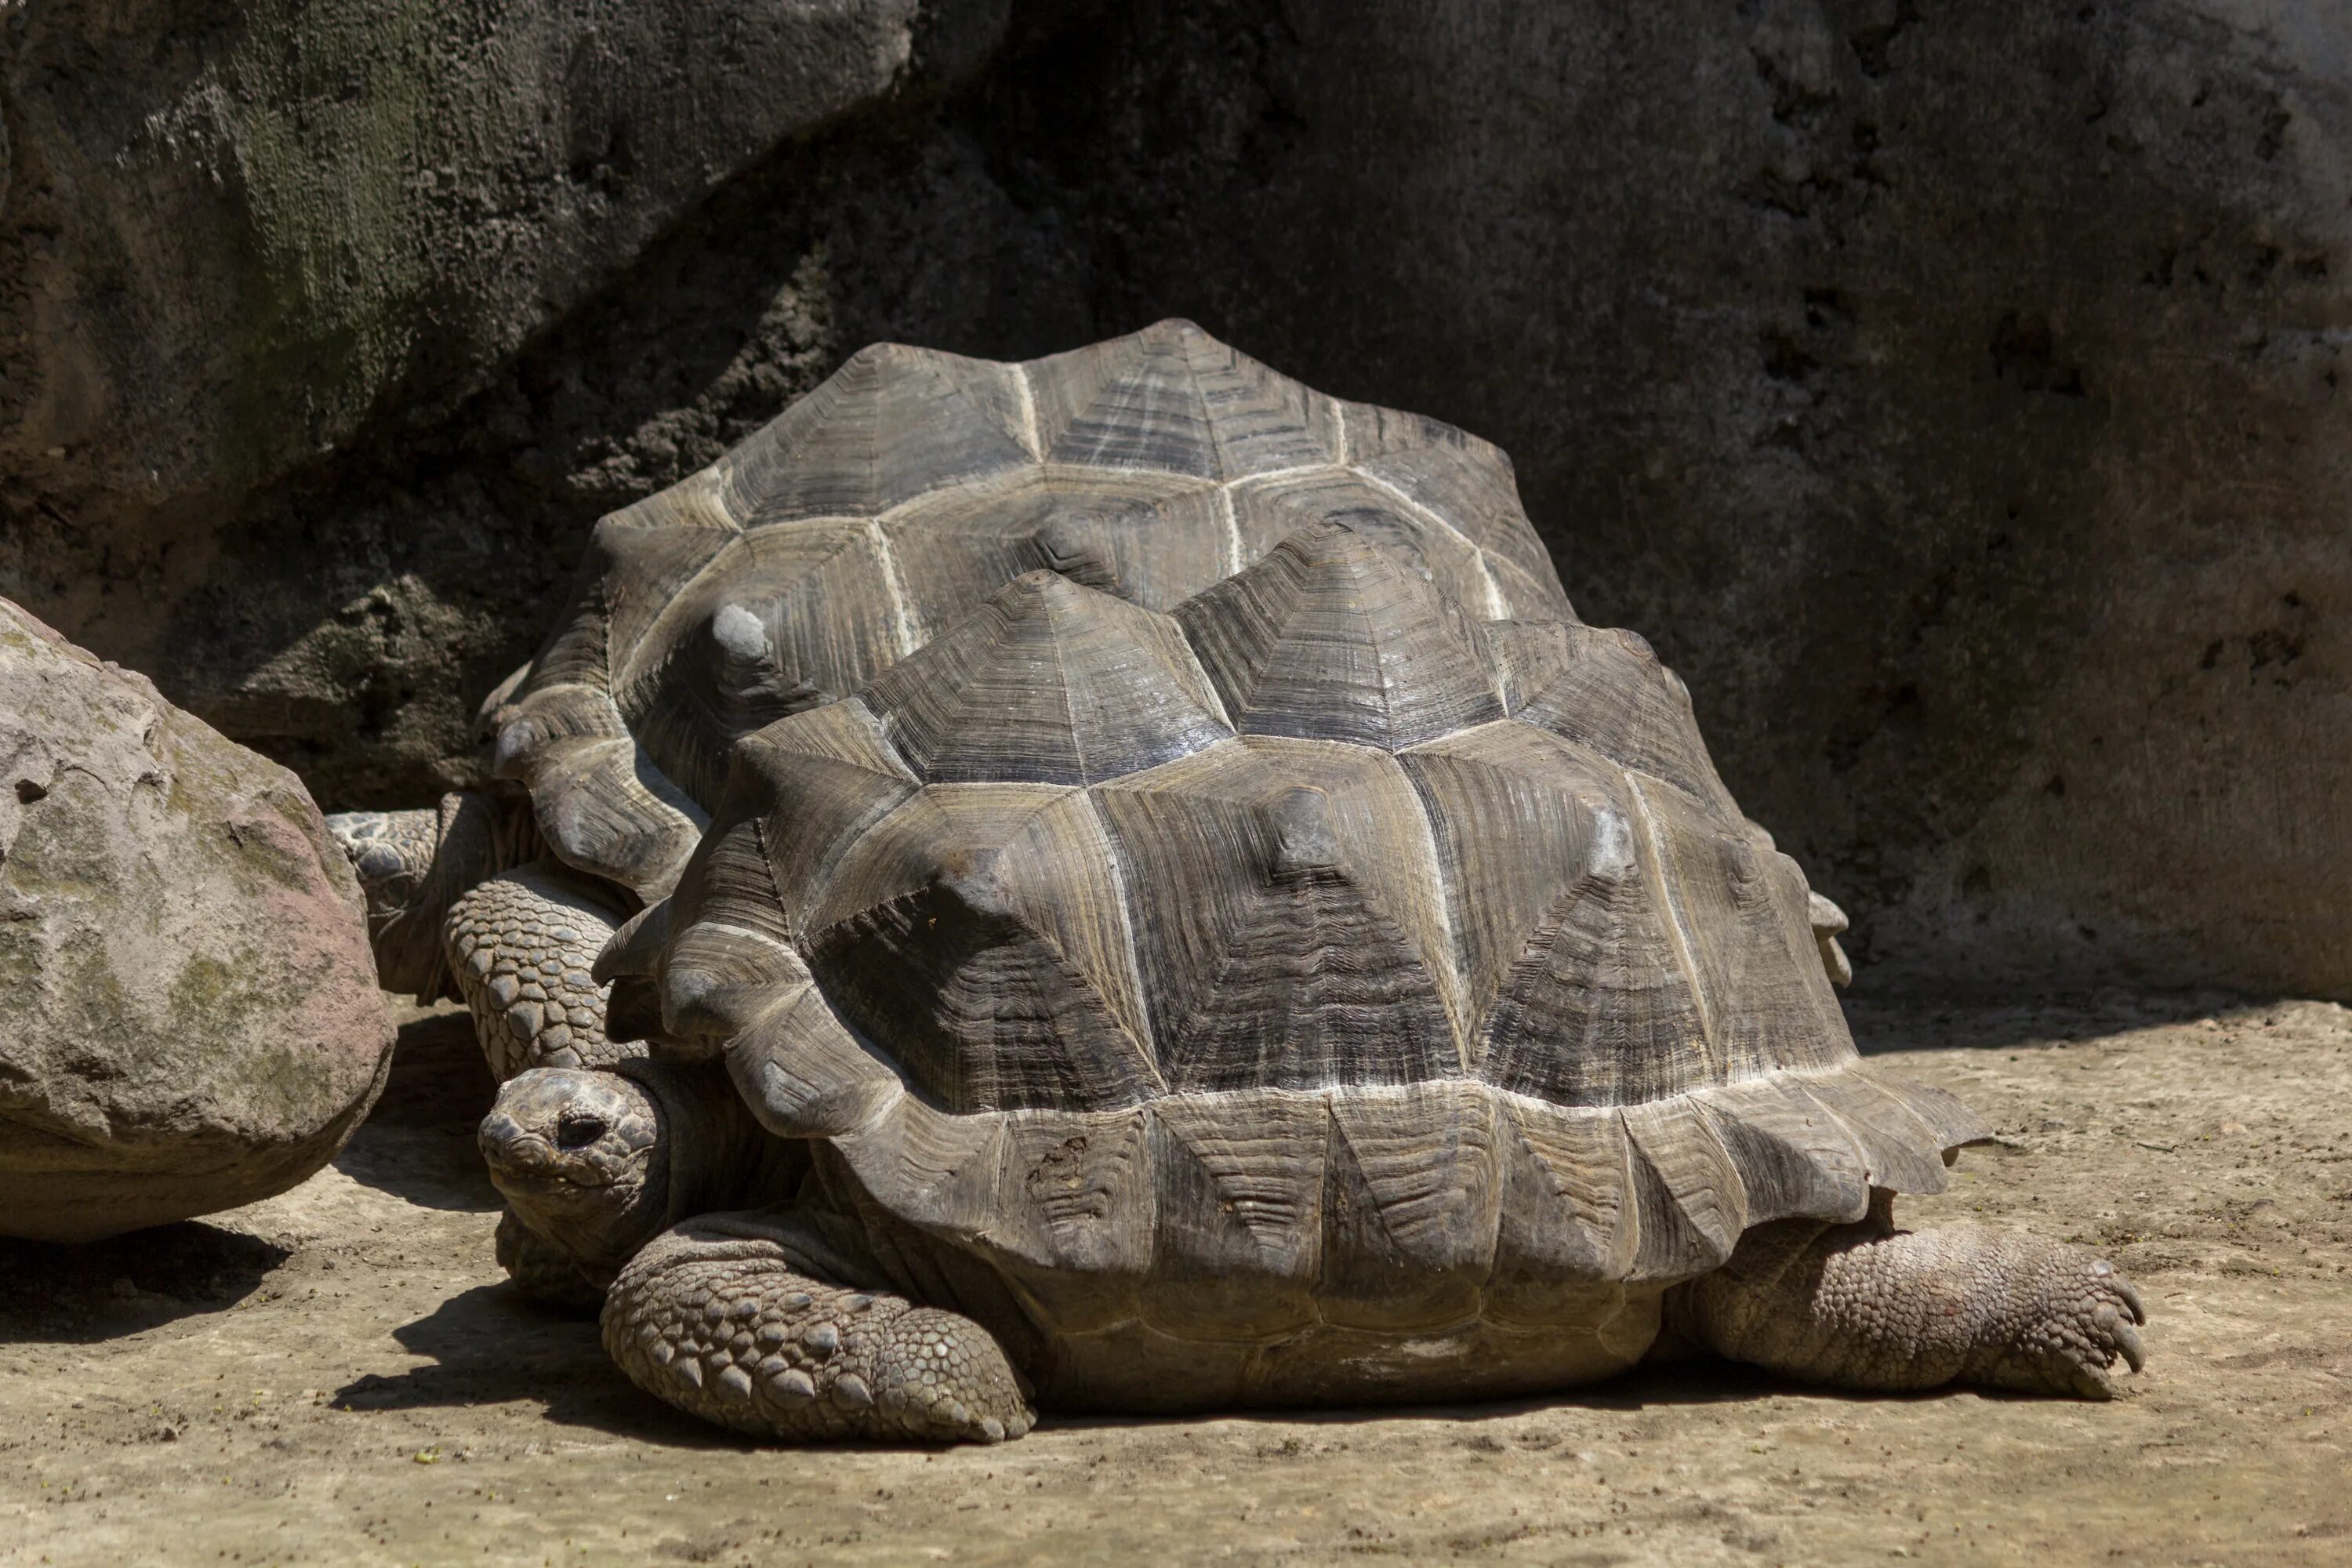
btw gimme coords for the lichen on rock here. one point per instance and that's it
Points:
(189, 1019)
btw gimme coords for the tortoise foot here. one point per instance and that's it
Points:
(2061, 1319)
(716, 1319)
(1863, 1307)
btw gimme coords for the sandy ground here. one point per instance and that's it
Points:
(338, 1375)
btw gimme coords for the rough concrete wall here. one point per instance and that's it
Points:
(1951, 397)
(241, 229)
(326, 331)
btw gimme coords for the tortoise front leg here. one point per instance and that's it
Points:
(1866, 1307)
(724, 1318)
(521, 946)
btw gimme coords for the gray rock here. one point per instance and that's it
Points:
(188, 1013)
(235, 233)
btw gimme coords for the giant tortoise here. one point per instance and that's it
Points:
(1311, 994)
(873, 514)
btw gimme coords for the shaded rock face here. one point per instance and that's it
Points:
(1952, 398)
(238, 230)
(188, 1013)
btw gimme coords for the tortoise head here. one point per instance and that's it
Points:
(583, 1158)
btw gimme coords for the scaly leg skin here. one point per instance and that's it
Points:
(543, 1272)
(1866, 1307)
(521, 945)
(718, 1318)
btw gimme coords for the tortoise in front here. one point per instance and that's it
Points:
(1304, 996)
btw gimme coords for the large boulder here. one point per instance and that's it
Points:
(189, 1018)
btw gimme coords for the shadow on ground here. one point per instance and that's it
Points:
(1686, 1382)
(489, 1345)
(1892, 1021)
(439, 1077)
(50, 1292)
(418, 1143)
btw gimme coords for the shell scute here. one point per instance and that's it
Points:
(938, 1171)
(978, 931)
(1794, 1157)
(1578, 992)
(1238, 1245)
(892, 422)
(1566, 1215)
(779, 621)
(1330, 638)
(1740, 909)
(1151, 538)
(814, 783)
(1076, 1196)
(1048, 682)
(1298, 938)
(1687, 1191)
(1411, 1192)
(804, 1075)
(1268, 511)
(1173, 398)
(605, 805)
(1604, 689)
(1470, 483)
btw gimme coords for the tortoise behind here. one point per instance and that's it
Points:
(1304, 996)
(872, 515)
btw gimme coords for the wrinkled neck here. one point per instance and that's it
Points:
(716, 1156)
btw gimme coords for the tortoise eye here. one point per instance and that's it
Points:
(579, 1132)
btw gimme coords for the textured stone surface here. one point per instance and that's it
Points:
(1951, 397)
(237, 230)
(188, 1013)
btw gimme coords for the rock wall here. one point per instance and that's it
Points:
(1952, 398)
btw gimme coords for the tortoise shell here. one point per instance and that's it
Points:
(1309, 953)
(891, 502)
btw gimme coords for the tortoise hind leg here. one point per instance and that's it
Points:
(725, 1319)
(521, 946)
(410, 867)
(1866, 1306)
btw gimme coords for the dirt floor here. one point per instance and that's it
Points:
(338, 1375)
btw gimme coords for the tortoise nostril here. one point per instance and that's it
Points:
(578, 1132)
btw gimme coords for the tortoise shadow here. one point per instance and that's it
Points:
(1890, 1018)
(55, 1293)
(492, 1345)
(439, 1077)
(1687, 1381)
